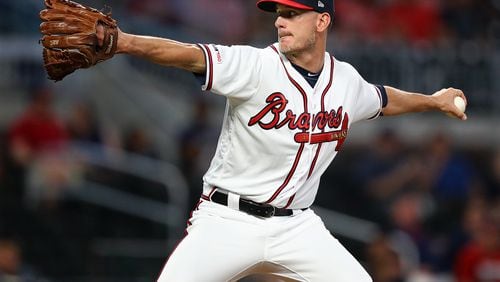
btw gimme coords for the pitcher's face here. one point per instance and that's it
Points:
(296, 29)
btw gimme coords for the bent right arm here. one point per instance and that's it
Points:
(163, 51)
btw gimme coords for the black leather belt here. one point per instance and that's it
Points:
(251, 207)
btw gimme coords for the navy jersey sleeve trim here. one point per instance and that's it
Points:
(206, 79)
(383, 94)
(202, 77)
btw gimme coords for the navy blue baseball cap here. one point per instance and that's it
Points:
(320, 6)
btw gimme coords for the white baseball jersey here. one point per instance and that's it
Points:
(279, 134)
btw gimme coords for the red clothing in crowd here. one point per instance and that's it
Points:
(38, 132)
(477, 264)
(414, 21)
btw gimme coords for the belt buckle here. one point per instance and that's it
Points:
(258, 209)
(269, 212)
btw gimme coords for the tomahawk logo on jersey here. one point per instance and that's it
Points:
(279, 133)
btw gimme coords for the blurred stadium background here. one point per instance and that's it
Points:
(98, 172)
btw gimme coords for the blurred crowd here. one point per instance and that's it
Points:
(415, 22)
(45, 231)
(436, 204)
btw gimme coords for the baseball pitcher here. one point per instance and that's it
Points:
(289, 109)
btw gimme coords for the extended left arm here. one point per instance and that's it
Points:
(400, 102)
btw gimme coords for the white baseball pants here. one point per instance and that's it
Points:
(225, 245)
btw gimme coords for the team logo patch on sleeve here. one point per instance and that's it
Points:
(218, 56)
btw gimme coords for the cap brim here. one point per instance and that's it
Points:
(270, 5)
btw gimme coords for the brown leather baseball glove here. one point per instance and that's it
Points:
(70, 37)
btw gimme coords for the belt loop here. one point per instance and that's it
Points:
(233, 201)
(297, 211)
(210, 194)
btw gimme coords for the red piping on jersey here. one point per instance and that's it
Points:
(209, 197)
(295, 83)
(301, 148)
(313, 163)
(289, 176)
(290, 201)
(210, 67)
(332, 67)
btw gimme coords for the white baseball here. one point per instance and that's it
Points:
(459, 103)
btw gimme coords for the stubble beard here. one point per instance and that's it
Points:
(295, 48)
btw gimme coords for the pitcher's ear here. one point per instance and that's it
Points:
(324, 22)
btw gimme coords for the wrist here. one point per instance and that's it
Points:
(436, 102)
(123, 42)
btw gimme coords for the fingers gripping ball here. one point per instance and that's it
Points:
(69, 37)
(459, 103)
